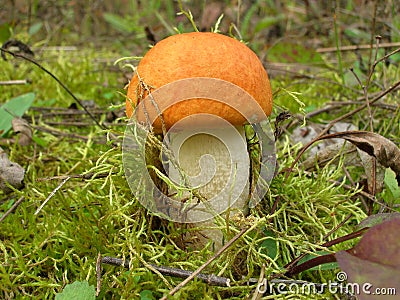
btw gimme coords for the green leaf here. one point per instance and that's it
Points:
(357, 34)
(119, 23)
(327, 266)
(268, 21)
(293, 53)
(39, 141)
(79, 290)
(15, 107)
(269, 246)
(109, 95)
(146, 295)
(5, 32)
(136, 279)
(391, 183)
(35, 28)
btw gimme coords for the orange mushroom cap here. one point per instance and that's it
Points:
(200, 54)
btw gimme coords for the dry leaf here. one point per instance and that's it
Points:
(385, 151)
(10, 172)
(22, 127)
(306, 134)
(329, 153)
(365, 147)
(374, 170)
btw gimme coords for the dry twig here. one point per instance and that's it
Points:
(202, 267)
(12, 208)
(52, 194)
(168, 271)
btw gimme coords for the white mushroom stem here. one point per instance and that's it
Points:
(217, 162)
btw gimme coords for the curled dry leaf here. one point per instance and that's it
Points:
(11, 173)
(327, 152)
(385, 151)
(306, 134)
(374, 170)
(22, 127)
(22, 48)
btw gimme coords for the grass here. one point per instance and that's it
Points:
(95, 214)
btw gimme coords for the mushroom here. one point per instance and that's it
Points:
(199, 90)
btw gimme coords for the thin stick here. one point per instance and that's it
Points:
(52, 194)
(90, 175)
(168, 271)
(257, 293)
(365, 90)
(58, 81)
(210, 279)
(15, 82)
(357, 47)
(337, 227)
(197, 272)
(292, 267)
(12, 208)
(373, 26)
(98, 274)
(353, 112)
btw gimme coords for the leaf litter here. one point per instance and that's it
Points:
(11, 174)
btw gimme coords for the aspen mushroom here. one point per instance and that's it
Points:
(199, 90)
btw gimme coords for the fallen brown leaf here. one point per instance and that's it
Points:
(10, 172)
(22, 127)
(385, 151)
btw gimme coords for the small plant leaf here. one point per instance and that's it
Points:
(357, 34)
(391, 184)
(120, 24)
(269, 246)
(146, 295)
(78, 290)
(293, 53)
(268, 21)
(326, 266)
(5, 32)
(15, 107)
(35, 28)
